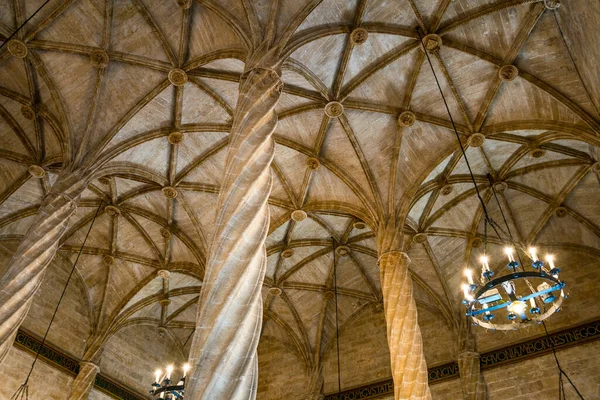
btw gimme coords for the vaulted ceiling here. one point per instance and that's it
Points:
(103, 76)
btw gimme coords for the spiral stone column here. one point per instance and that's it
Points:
(223, 354)
(471, 381)
(84, 382)
(28, 265)
(409, 369)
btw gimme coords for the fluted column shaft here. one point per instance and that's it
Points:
(223, 354)
(471, 381)
(84, 382)
(409, 369)
(38, 247)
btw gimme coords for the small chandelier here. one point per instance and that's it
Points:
(516, 298)
(163, 387)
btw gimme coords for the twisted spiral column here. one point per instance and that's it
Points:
(84, 382)
(409, 369)
(223, 354)
(469, 369)
(28, 265)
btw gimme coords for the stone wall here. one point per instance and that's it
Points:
(281, 374)
(133, 354)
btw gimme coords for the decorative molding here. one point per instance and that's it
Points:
(58, 359)
(491, 359)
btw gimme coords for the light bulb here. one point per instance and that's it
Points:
(518, 307)
(533, 253)
(550, 259)
(485, 262)
(157, 375)
(509, 253)
(186, 368)
(169, 371)
(466, 292)
(469, 275)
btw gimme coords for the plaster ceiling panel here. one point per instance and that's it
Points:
(302, 255)
(370, 268)
(199, 107)
(130, 239)
(309, 229)
(155, 286)
(181, 252)
(546, 57)
(10, 171)
(7, 17)
(153, 230)
(79, 223)
(450, 255)
(12, 76)
(338, 224)
(459, 9)
(321, 55)
(125, 187)
(310, 310)
(184, 337)
(422, 145)
(476, 161)
(278, 191)
(225, 89)
(154, 115)
(356, 234)
(330, 12)
(457, 190)
(150, 311)
(338, 147)
(365, 241)
(204, 209)
(226, 64)
(133, 34)
(396, 12)
(549, 181)
(527, 160)
(17, 227)
(76, 85)
(123, 94)
(10, 141)
(82, 22)
(292, 165)
(289, 102)
(417, 209)
(210, 33)
(272, 331)
(377, 135)
(349, 275)
(195, 147)
(89, 194)
(154, 202)
(522, 100)
(187, 221)
(277, 235)
(577, 145)
(179, 280)
(28, 194)
(526, 211)
(152, 155)
(326, 186)
(458, 217)
(438, 171)
(568, 230)
(427, 99)
(302, 128)
(294, 78)
(423, 266)
(53, 142)
(379, 45)
(272, 261)
(168, 19)
(423, 297)
(583, 198)
(315, 272)
(279, 216)
(188, 314)
(472, 77)
(211, 170)
(177, 302)
(493, 33)
(386, 85)
(123, 279)
(283, 312)
(498, 151)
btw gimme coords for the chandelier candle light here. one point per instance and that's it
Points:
(502, 303)
(163, 387)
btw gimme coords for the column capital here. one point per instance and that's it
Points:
(89, 365)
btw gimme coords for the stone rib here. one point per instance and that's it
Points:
(223, 353)
(409, 369)
(28, 265)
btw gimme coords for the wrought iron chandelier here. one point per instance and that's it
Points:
(163, 387)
